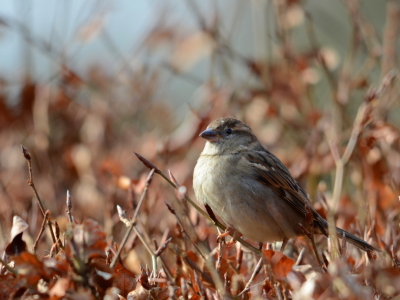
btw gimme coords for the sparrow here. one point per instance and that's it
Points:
(252, 191)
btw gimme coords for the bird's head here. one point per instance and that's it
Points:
(228, 135)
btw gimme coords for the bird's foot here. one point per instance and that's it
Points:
(228, 231)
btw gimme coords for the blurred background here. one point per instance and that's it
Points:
(170, 39)
(85, 83)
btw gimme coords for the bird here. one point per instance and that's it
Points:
(252, 191)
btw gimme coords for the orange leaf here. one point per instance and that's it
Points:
(268, 254)
(282, 267)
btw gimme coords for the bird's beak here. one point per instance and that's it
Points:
(210, 135)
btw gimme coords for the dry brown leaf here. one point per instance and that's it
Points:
(124, 280)
(17, 245)
(30, 269)
(281, 264)
(60, 288)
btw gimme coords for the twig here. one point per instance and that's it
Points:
(47, 213)
(162, 247)
(172, 210)
(309, 231)
(77, 263)
(300, 257)
(190, 230)
(69, 207)
(148, 248)
(173, 179)
(219, 258)
(344, 245)
(227, 283)
(206, 276)
(310, 235)
(132, 223)
(148, 182)
(149, 165)
(57, 233)
(28, 158)
(278, 291)
(180, 193)
(363, 111)
(3, 269)
(395, 259)
(256, 271)
(161, 250)
(127, 234)
(239, 259)
(208, 258)
(220, 286)
(200, 285)
(184, 288)
(10, 269)
(326, 262)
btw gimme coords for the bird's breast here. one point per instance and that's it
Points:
(229, 187)
(218, 180)
(207, 179)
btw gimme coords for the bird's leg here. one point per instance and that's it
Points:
(284, 243)
(228, 231)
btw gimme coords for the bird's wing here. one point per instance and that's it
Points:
(271, 172)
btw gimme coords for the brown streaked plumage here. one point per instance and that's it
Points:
(251, 189)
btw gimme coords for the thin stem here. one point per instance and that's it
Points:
(340, 161)
(69, 207)
(127, 234)
(12, 270)
(148, 182)
(147, 246)
(28, 158)
(172, 210)
(41, 231)
(132, 224)
(253, 275)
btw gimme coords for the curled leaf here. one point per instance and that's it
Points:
(17, 245)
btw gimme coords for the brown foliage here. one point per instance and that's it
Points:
(333, 124)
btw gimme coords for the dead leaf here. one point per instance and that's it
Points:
(30, 269)
(60, 288)
(17, 245)
(124, 280)
(280, 263)
(282, 267)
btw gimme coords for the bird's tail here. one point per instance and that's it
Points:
(351, 238)
(356, 241)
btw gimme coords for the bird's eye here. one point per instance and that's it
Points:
(228, 131)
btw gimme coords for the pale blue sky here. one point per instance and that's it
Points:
(58, 22)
